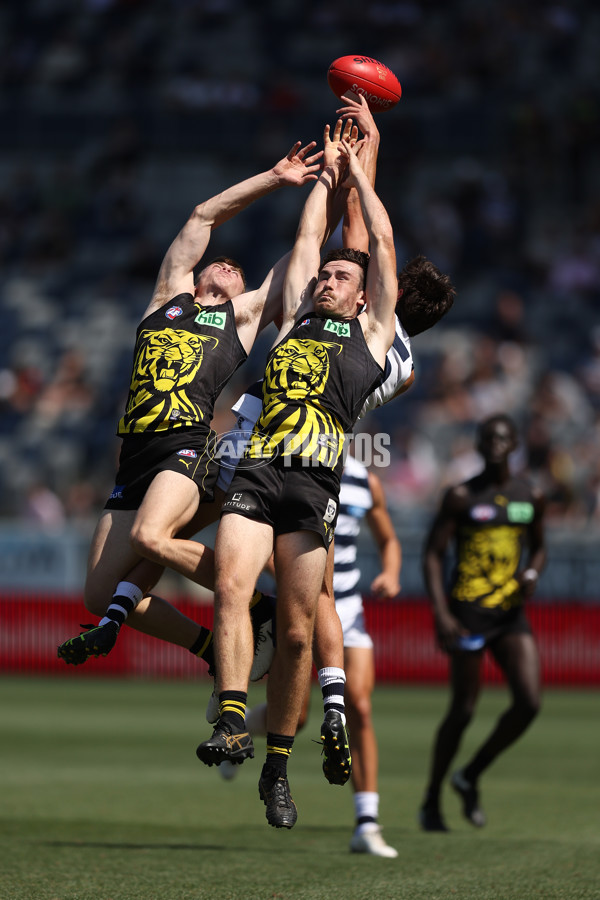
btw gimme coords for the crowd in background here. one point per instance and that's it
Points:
(118, 116)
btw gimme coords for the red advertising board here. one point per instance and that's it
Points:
(31, 628)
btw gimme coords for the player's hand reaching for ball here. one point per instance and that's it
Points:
(331, 142)
(298, 167)
(359, 112)
(354, 172)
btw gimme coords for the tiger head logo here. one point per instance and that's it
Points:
(299, 368)
(168, 360)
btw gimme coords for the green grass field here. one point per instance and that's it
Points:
(102, 798)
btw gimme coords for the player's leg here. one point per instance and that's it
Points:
(110, 558)
(299, 565)
(119, 581)
(517, 656)
(328, 650)
(359, 665)
(169, 505)
(158, 618)
(464, 686)
(242, 548)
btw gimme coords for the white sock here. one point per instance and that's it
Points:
(125, 599)
(366, 803)
(333, 681)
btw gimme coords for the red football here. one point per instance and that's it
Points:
(362, 75)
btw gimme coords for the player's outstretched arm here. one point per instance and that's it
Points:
(298, 167)
(312, 229)
(382, 285)
(354, 231)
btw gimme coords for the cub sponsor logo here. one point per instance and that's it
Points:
(342, 329)
(173, 312)
(214, 318)
(117, 492)
(520, 512)
(330, 511)
(483, 512)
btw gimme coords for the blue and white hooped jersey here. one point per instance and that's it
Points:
(398, 367)
(355, 501)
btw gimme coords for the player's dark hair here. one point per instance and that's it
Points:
(230, 262)
(427, 295)
(350, 255)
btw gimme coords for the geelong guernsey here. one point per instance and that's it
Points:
(398, 367)
(355, 501)
(184, 355)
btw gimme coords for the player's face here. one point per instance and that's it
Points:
(222, 276)
(496, 442)
(338, 289)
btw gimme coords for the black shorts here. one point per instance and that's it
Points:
(491, 624)
(288, 497)
(143, 456)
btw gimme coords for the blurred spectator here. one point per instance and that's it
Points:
(43, 508)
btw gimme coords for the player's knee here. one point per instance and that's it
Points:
(231, 594)
(144, 541)
(297, 642)
(528, 708)
(462, 713)
(361, 709)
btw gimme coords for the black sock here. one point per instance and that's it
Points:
(261, 608)
(124, 600)
(432, 799)
(279, 748)
(118, 610)
(204, 647)
(232, 709)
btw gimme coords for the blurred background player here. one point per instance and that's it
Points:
(495, 521)
(362, 495)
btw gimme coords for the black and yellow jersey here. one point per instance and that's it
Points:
(492, 532)
(184, 355)
(316, 382)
